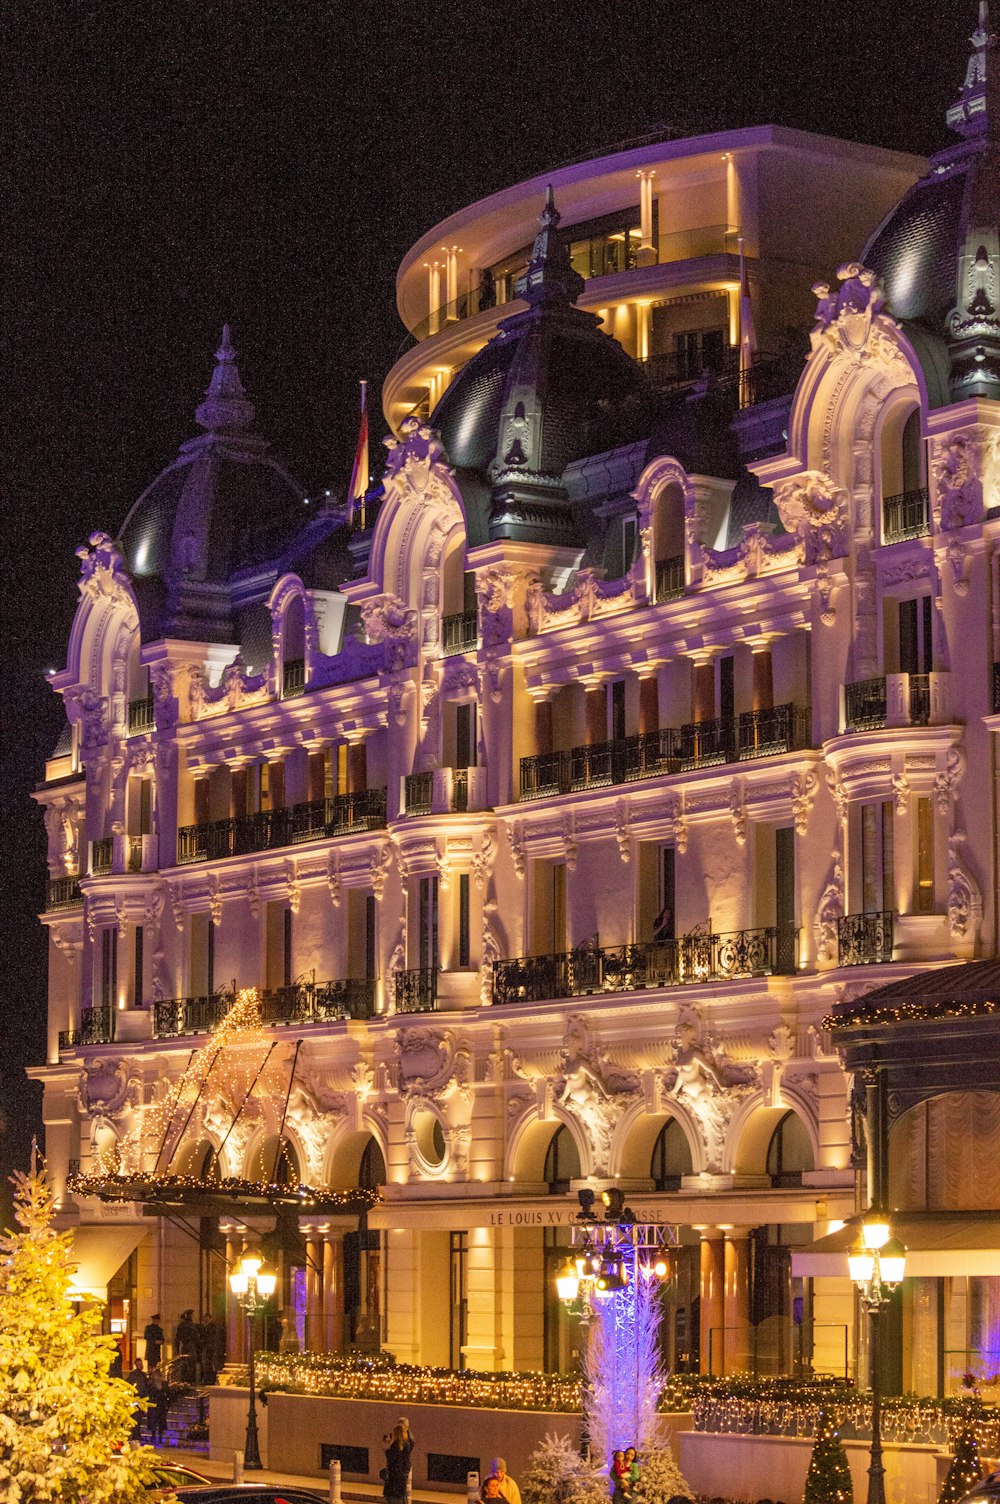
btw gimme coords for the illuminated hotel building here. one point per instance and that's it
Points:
(645, 718)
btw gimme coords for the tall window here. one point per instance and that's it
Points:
(466, 734)
(464, 946)
(665, 925)
(458, 1315)
(915, 636)
(137, 968)
(925, 857)
(784, 897)
(562, 1162)
(877, 858)
(428, 923)
(109, 966)
(618, 710)
(630, 541)
(671, 1157)
(371, 911)
(559, 906)
(727, 689)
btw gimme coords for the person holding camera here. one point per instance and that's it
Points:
(398, 1454)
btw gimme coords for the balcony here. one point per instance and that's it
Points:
(416, 990)
(141, 716)
(97, 1026)
(444, 791)
(895, 700)
(996, 689)
(301, 1003)
(459, 633)
(669, 579)
(293, 678)
(864, 939)
(62, 893)
(906, 516)
(102, 856)
(695, 957)
(672, 749)
(313, 820)
(418, 793)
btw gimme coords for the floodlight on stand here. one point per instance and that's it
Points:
(892, 1261)
(660, 1268)
(875, 1232)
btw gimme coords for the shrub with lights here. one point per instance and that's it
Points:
(828, 1480)
(965, 1471)
(557, 1474)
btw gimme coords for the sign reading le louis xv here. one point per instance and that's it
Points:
(469, 1216)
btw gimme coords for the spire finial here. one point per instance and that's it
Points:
(225, 405)
(550, 276)
(968, 115)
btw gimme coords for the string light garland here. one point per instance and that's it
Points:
(146, 1187)
(905, 1012)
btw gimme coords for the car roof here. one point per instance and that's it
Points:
(266, 1493)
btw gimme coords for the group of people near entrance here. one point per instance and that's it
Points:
(623, 1475)
(498, 1485)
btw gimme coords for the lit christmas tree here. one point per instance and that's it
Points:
(965, 1471)
(828, 1480)
(557, 1474)
(624, 1370)
(63, 1420)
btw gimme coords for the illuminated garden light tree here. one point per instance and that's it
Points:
(624, 1374)
(64, 1422)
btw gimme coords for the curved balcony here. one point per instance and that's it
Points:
(300, 1003)
(416, 990)
(97, 1026)
(62, 893)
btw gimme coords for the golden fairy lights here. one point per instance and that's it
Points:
(902, 1012)
(164, 1188)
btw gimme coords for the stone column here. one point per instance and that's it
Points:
(704, 691)
(649, 704)
(763, 679)
(314, 1292)
(737, 1320)
(712, 1306)
(333, 1292)
(433, 296)
(543, 726)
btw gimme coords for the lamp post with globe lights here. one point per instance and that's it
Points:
(877, 1263)
(253, 1284)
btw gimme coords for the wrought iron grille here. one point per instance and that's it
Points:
(133, 853)
(300, 1003)
(996, 689)
(544, 774)
(416, 990)
(293, 677)
(459, 633)
(705, 743)
(190, 1015)
(418, 793)
(920, 699)
(768, 733)
(308, 821)
(141, 715)
(863, 939)
(101, 854)
(906, 515)
(460, 790)
(97, 1026)
(669, 579)
(62, 892)
(864, 704)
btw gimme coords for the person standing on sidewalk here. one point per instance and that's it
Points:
(398, 1455)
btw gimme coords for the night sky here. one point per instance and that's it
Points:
(177, 165)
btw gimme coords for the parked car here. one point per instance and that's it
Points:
(986, 1491)
(172, 1475)
(246, 1493)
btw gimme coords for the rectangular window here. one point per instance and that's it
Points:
(559, 906)
(877, 858)
(630, 541)
(459, 1308)
(428, 923)
(146, 806)
(784, 899)
(286, 949)
(908, 650)
(466, 734)
(210, 958)
(464, 947)
(469, 602)
(727, 689)
(371, 910)
(137, 968)
(925, 857)
(927, 636)
(109, 966)
(618, 710)
(665, 925)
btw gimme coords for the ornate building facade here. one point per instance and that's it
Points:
(556, 799)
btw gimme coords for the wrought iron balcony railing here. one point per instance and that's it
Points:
(672, 749)
(97, 1026)
(293, 678)
(996, 689)
(133, 853)
(418, 793)
(416, 990)
(300, 1003)
(62, 893)
(101, 856)
(864, 939)
(669, 579)
(459, 633)
(906, 515)
(309, 821)
(866, 702)
(141, 715)
(695, 957)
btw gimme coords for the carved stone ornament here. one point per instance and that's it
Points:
(253, 894)
(901, 794)
(165, 709)
(817, 510)
(569, 838)
(623, 831)
(957, 464)
(738, 811)
(515, 841)
(803, 792)
(294, 886)
(829, 912)
(378, 869)
(431, 1063)
(387, 620)
(215, 901)
(674, 810)
(838, 793)
(412, 458)
(102, 569)
(592, 1091)
(946, 782)
(108, 1087)
(965, 901)
(333, 882)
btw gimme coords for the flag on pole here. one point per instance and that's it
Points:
(748, 334)
(359, 475)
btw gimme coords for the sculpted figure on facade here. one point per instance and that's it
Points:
(817, 510)
(956, 465)
(829, 912)
(102, 569)
(965, 901)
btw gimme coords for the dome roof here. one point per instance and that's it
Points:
(222, 507)
(549, 388)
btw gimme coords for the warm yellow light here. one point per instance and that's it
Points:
(861, 1264)
(660, 1268)
(567, 1281)
(267, 1279)
(892, 1262)
(250, 1262)
(875, 1232)
(239, 1282)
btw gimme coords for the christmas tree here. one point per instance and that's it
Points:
(828, 1480)
(624, 1372)
(965, 1471)
(557, 1474)
(64, 1423)
(660, 1479)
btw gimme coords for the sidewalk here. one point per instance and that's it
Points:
(353, 1493)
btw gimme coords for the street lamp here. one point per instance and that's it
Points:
(877, 1263)
(252, 1282)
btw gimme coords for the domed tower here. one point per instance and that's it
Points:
(548, 389)
(937, 253)
(199, 541)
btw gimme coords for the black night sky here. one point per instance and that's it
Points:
(173, 166)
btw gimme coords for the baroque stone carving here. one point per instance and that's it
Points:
(817, 510)
(431, 1063)
(956, 464)
(378, 869)
(102, 569)
(515, 842)
(965, 901)
(591, 1090)
(829, 912)
(803, 792)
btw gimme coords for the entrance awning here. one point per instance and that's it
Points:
(937, 1244)
(99, 1253)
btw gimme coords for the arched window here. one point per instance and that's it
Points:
(293, 647)
(562, 1162)
(671, 1157)
(371, 1171)
(789, 1153)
